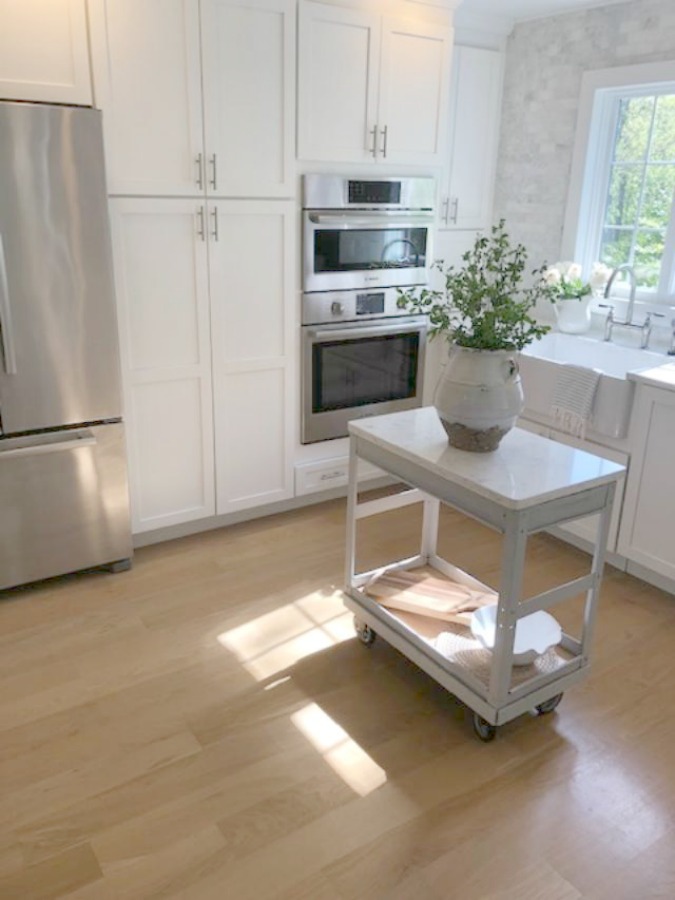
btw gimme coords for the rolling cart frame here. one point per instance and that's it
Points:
(499, 700)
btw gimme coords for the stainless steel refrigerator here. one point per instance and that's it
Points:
(64, 502)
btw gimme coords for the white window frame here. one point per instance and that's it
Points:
(591, 162)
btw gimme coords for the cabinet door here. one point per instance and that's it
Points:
(162, 288)
(338, 62)
(466, 198)
(148, 83)
(44, 53)
(253, 351)
(647, 536)
(587, 528)
(248, 59)
(413, 98)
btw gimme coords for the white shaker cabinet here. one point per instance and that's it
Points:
(198, 95)
(468, 184)
(647, 536)
(371, 88)
(44, 51)
(161, 273)
(254, 353)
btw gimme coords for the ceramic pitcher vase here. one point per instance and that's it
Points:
(573, 314)
(479, 396)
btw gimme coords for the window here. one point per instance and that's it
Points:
(622, 192)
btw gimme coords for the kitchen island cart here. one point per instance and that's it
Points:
(528, 484)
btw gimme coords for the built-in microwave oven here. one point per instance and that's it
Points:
(365, 233)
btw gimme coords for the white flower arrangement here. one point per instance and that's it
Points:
(565, 282)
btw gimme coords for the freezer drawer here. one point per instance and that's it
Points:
(65, 503)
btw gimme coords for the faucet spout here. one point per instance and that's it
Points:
(630, 272)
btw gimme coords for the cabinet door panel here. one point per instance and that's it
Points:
(339, 55)
(148, 83)
(647, 535)
(253, 351)
(474, 133)
(414, 81)
(249, 88)
(44, 52)
(253, 463)
(162, 289)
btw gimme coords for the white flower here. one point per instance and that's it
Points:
(599, 275)
(573, 271)
(552, 276)
(563, 267)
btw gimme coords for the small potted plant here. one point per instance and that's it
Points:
(572, 295)
(485, 314)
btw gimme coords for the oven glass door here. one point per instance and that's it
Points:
(345, 251)
(360, 371)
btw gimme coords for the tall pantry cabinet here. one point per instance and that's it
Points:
(198, 105)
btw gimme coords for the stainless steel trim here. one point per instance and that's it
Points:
(323, 191)
(326, 333)
(46, 443)
(385, 132)
(371, 219)
(6, 333)
(215, 233)
(199, 161)
(373, 148)
(214, 172)
(200, 224)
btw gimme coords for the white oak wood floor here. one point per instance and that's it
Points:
(207, 726)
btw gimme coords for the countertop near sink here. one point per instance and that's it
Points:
(660, 376)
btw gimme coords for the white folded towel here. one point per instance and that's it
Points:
(573, 398)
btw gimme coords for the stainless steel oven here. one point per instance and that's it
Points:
(360, 233)
(363, 238)
(358, 368)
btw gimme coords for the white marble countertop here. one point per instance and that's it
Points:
(525, 470)
(660, 376)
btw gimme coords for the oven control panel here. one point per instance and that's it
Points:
(321, 307)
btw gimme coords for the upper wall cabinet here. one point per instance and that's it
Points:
(164, 135)
(371, 88)
(44, 53)
(468, 184)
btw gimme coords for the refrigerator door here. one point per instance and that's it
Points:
(59, 357)
(65, 503)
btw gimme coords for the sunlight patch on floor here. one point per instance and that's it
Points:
(343, 755)
(272, 643)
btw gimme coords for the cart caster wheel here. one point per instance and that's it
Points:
(548, 705)
(364, 633)
(484, 730)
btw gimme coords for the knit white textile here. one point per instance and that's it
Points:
(573, 398)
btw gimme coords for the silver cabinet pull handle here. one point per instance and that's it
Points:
(445, 210)
(199, 162)
(455, 210)
(6, 333)
(215, 234)
(200, 224)
(385, 131)
(214, 172)
(373, 148)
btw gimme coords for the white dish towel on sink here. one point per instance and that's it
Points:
(573, 398)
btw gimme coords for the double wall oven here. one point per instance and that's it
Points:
(363, 238)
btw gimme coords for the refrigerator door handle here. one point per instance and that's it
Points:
(46, 443)
(6, 335)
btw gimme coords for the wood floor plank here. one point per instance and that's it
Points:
(207, 726)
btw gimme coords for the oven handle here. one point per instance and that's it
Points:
(341, 334)
(364, 218)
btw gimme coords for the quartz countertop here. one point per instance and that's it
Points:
(660, 376)
(523, 471)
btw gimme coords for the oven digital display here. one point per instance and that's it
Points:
(370, 304)
(362, 192)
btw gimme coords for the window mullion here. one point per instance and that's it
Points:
(640, 203)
